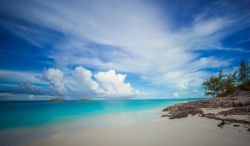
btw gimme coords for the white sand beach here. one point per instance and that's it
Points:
(133, 129)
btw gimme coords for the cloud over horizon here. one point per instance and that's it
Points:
(81, 82)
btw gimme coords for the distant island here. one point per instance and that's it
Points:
(56, 99)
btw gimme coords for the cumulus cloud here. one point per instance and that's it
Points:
(109, 83)
(114, 84)
(55, 79)
(85, 77)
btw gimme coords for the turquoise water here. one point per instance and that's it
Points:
(17, 114)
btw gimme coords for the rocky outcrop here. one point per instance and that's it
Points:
(183, 110)
(244, 110)
(237, 104)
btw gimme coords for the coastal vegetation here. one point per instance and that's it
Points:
(222, 85)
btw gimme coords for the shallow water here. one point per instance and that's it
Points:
(20, 114)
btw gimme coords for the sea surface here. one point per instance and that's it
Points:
(22, 114)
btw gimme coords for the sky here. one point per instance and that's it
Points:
(111, 49)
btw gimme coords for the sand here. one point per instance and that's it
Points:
(133, 129)
(216, 111)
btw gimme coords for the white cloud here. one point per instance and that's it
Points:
(19, 76)
(211, 62)
(184, 80)
(114, 84)
(205, 28)
(108, 84)
(55, 79)
(80, 82)
(85, 77)
(176, 94)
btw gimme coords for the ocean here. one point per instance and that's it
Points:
(22, 114)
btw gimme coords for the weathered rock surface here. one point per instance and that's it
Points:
(219, 108)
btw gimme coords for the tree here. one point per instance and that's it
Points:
(226, 84)
(214, 85)
(229, 84)
(221, 85)
(243, 71)
(245, 86)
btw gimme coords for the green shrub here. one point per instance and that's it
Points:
(227, 84)
(221, 85)
(245, 86)
(213, 86)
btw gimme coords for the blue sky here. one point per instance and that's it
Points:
(113, 49)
